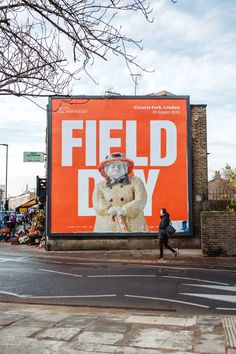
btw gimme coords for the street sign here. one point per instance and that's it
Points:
(33, 156)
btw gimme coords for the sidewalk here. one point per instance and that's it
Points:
(27, 329)
(186, 258)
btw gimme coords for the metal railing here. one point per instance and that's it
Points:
(221, 195)
(222, 200)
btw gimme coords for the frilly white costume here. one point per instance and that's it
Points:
(119, 200)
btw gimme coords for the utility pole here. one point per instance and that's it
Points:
(136, 78)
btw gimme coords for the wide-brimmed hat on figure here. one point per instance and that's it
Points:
(115, 157)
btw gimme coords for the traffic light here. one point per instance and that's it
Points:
(41, 187)
(6, 205)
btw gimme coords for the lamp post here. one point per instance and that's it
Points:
(6, 145)
(136, 78)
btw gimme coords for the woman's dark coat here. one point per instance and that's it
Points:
(165, 220)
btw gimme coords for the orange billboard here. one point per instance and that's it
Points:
(148, 137)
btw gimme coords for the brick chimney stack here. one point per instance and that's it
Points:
(217, 174)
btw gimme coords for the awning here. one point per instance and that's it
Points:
(26, 205)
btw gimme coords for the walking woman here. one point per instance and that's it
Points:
(163, 237)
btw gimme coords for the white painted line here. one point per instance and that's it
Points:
(70, 296)
(35, 259)
(226, 298)
(168, 300)
(56, 297)
(19, 259)
(54, 271)
(204, 281)
(56, 262)
(121, 276)
(216, 287)
(226, 308)
(12, 294)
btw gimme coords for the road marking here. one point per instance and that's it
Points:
(12, 294)
(19, 259)
(54, 271)
(205, 281)
(227, 298)
(216, 287)
(168, 300)
(226, 308)
(70, 296)
(55, 297)
(121, 276)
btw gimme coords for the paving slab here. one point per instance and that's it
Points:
(19, 331)
(8, 318)
(16, 340)
(99, 337)
(77, 321)
(41, 320)
(110, 317)
(98, 348)
(210, 343)
(63, 334)
(109, 326)
(208, 320)
(19, 349)
(128, 350)
(163, 320)
(157, 338)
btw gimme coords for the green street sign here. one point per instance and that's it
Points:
(33, 156)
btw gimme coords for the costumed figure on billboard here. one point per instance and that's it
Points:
(120, 199)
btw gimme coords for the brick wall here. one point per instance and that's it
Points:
(218, 233)
(199, 166)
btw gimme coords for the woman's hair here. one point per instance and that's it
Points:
(164, 210)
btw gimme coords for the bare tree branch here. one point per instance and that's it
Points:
(40, 39)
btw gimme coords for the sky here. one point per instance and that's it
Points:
(189, 49)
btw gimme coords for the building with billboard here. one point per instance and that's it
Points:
(164, 137)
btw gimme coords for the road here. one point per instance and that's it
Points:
(64, 281)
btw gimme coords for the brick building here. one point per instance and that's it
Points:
(219, 186)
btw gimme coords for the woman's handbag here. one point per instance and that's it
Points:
(170, 230)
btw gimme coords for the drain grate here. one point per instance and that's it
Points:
(229, 324)
(171, 271)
